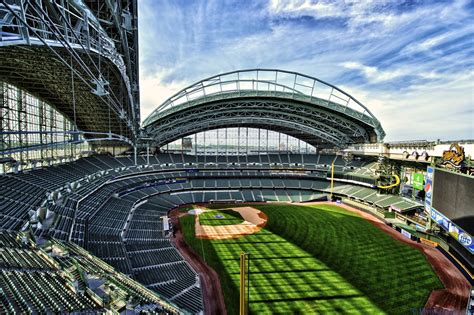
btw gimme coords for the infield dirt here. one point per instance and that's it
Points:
(254, 221)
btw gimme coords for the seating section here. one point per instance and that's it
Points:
(133, 241)
(39, 291)
(155, 262)
(372, 197)
(363, 169)
(113, 208)
(28, 190)
(35, 280)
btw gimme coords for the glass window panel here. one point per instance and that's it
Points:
(243, 140)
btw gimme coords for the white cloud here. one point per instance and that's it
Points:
(373, 73)
(357, 13)
(431, 44)
(153, 91)
(437, 110)
(305, 7)
(375, 16)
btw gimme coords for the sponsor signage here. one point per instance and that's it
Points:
(405, 233)
(429, 188)
(166, 223)
(428, 242)
(463, 237)
(439, 218)
(418, 179)
(456, 232)
(420, 228)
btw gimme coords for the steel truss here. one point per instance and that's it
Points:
(79, 56)
(32, 132)
(293, 103)
(314, 126)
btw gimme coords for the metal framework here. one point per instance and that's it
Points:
(81, 57)
(32, 132)
(298, 105)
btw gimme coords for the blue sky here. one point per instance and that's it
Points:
(411, 63)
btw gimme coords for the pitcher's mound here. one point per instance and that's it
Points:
(254, 220)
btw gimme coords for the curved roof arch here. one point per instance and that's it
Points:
(270, 97)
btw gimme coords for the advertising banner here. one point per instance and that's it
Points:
(463, 237)
(166, 223)
(439, 218)
(405, 233)
(418, 179)
(456, 232)
(429, 188)
(420, 228)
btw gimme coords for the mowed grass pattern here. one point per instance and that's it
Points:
(319, 259)
(228, 217)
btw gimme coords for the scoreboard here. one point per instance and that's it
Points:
(450, 197)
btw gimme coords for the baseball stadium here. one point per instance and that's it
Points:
(254, 191)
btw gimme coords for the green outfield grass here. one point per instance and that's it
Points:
(319, 259)
(229, 217)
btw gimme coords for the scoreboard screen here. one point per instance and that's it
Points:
(453, 196)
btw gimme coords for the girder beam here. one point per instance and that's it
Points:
(314, 126)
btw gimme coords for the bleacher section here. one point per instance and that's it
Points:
(63, 278)
(97, 202)
(372, 197)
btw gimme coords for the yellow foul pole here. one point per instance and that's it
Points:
(242, 283)
(332, 178)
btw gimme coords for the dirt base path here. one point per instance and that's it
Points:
(453, 298)
(213, 298)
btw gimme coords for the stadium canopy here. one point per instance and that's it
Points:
(81, 57)
(304, 107)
